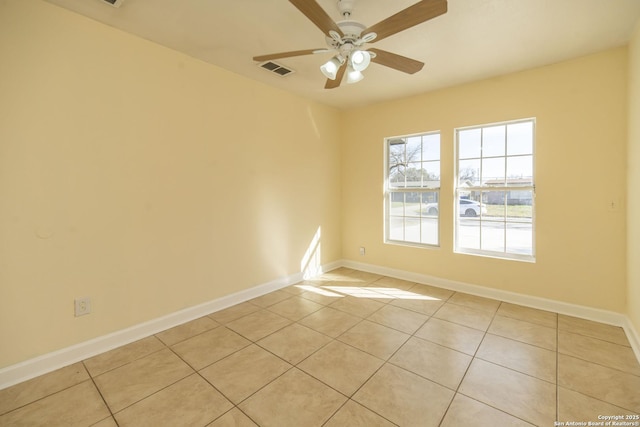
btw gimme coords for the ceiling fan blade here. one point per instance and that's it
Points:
(332, 84)
(287, 54)
(395, 61)
(312, 10)
(407, 18)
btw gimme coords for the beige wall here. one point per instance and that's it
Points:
(144, 179)
(581, 111)
(633, 173)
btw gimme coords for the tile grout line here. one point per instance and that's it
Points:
(101, 396)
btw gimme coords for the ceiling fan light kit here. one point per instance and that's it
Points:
(347, 39)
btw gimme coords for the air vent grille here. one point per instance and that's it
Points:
(276, 68)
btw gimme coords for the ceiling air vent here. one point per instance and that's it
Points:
(114, 3)
(275, 68)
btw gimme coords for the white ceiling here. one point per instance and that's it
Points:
(475, 39)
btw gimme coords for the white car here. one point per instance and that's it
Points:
(466, 208)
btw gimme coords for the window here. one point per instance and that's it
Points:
(412, 189)
(496, 190)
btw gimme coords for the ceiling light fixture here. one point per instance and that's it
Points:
(359, 60)
(353, 76)
(330, 68)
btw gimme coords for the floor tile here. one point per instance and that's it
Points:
(258, 325)
(234, 312)
(295, 308)
(321, 295)
(42, 386)
(531, 315)
(374, 339)
(353, 414)
(520, 395)
(294, 343)
(425, 306)
(209, 347)
(299, 288)
(472, 301)
(606, 384)
(601, 331)
(404, 398)
(122, 355)
(452, 335)
(578, 407)
(364, 276)
(271, 298)
(528, 359)
(390, 282)
(432, 361)
(432, 292)
(130, 383)
(186, 330)
(361, 307)
(526, 332)
(244, 372)
(330, 321)
(341, 366)
(354, 288)
(465, 316)
(403, 320)
(190, 401)
(469, 412)
(233, 418)
(294, 399)
(107, 422)
(597, 351)
(80, 405)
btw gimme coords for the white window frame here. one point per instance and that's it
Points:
(507, 188)
(388, 190)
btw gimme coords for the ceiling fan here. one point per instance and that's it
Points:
(348, 38)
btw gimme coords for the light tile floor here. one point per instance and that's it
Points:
(348, 348)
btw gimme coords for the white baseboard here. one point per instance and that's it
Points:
(583, 312)
(49, 362)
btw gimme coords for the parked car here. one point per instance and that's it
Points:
(466, 208)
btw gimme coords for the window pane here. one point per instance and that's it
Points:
(520, 168)
(520, 238)
(412, 204)
(431, 174)
(493, 141)
(469, 172)
(397, 176)
(396, 204)
(520, 205)
(414, 175)
(414, 149)
(396, 228)
(412, 230)
(520, 138)
(492, 236)
(469, 234)
(429, 231)
(431, 147)
(493, 171)
(469, 143)
(494, 201)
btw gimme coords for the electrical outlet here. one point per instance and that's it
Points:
(82, 306)
(362, 251)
